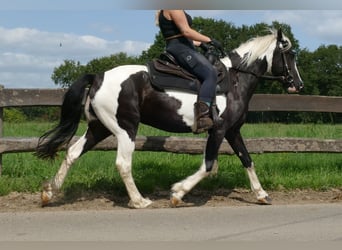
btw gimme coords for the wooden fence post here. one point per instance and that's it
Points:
(1, 135)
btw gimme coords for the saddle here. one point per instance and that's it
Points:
(166, 74)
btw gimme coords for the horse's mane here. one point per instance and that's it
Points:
(258, 47)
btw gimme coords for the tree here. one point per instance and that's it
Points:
(327, 66)
(67, 73)
(70, 70)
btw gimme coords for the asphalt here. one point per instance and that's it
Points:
(319, 222)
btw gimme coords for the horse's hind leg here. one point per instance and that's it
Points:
(124, 165)
(95, 133)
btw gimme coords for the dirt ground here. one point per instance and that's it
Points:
(20, 202)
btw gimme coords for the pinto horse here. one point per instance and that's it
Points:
(119, 99)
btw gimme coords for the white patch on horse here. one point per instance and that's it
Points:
(296, 69)
(105, 104)
(227, 62)
(187, 105)
(183, 187)
(105, 101)
(255, 183)
(72, 154)
(124, 166)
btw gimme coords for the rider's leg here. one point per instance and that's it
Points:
(198, 65)
(208, 76)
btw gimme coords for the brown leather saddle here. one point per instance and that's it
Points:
(166, 74)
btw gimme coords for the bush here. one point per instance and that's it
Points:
(14, 115)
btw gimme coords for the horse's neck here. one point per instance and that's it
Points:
(243, 75)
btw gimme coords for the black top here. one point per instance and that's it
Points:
(168, 28)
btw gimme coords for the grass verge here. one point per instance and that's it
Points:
(95, 171)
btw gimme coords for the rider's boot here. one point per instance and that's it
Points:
(202, 121)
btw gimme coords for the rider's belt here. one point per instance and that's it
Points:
(173, 37)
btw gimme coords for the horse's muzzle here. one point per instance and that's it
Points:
(295, 88)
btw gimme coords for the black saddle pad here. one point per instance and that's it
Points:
(165, 75)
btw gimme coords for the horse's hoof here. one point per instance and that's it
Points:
(144, 203)
(46, 197)
(46, 194)
(265, 200)
(174, 201)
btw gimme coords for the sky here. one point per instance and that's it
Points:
(37, 36)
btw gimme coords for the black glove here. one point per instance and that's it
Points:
(216, 44)
(204, 46)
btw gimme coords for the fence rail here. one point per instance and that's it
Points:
(259, 102)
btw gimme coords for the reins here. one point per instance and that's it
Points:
(286, 77)
(265, 77)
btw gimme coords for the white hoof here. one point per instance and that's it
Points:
(143, 203)
(47, 194)
(177, 193)
(175, 200)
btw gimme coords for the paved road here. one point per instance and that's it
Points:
(252, 223)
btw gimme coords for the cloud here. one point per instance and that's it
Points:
(324, 25)
(28, 56)
(311, 27)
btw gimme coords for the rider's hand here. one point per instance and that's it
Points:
(216, 44)
(204, 46)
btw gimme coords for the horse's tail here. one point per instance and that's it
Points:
(50, 142)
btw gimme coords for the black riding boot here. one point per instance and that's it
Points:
(202, 121)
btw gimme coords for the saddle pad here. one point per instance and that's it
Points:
(167, 76)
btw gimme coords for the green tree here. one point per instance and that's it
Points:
(327, 67)
(154, 50)
(67, 73)
(70, 70)
(103, 64)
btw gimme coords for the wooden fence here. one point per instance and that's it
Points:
(259, 102)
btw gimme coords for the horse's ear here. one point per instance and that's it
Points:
(280, 35)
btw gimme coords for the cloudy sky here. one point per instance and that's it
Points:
(36, 37)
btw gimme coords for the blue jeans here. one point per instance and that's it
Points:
(197, 64)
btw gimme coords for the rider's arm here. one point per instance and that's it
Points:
(179, 18)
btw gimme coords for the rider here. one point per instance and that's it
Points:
(181, 39)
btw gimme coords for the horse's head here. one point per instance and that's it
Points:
(284, 64)
(269, 57)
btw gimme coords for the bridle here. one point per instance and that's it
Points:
(287, 78)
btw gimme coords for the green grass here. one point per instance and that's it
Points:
(95, 171)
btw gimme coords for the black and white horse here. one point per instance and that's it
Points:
(121, 98)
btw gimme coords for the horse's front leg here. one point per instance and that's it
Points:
(236, 142)
(209, 164)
